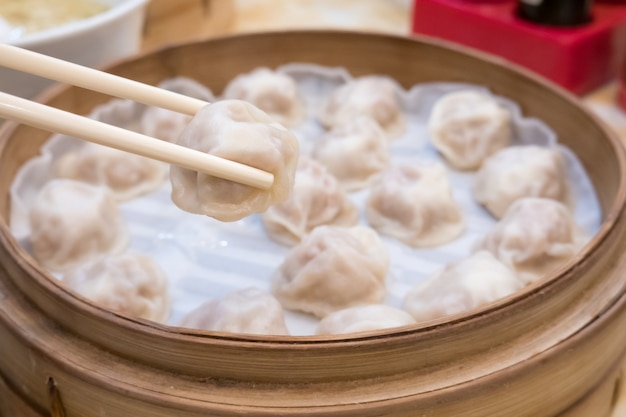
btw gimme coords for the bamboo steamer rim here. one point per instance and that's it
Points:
(611, 217)
(598, 330)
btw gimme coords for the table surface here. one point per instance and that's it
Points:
(185, 20)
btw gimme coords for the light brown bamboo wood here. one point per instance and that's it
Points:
(12, 404)
(552, 350)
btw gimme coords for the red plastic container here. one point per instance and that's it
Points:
(578, 58)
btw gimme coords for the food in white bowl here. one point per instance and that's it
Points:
(96, 41)
(30, 16)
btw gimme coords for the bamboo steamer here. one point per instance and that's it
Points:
(554, 349)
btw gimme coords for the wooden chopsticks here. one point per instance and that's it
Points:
(59, 121)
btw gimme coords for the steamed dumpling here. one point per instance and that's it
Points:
(72, 222)
(126, 174)
(250, 310)
(129, 283)
(331, 269)
(467, 127)
(415, 205)
(355, 152)
(535, 236)
(165, 124)
(121, 113)
(316, 200)
(238, 131)
(461, 286)
(274, 93)
(517, 172)
(372, 96)
(364, 318)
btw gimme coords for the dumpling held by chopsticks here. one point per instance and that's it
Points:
(238, 131)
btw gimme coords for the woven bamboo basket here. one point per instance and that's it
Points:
(554, 349)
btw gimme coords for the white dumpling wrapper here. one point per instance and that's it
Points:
(273, 92)
(72, 223)
(535, 236)
(371, 96)
(355, 152)
(333, 268)
(468, 126)
(165, 124)
(364, 318)
(462, 286)
(521, 171)
(415, 204)
(130, 283)
(251, 311)
(238, 131)
(127, 175)
(316, 200)
(121, 113)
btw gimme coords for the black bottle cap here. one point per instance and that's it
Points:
(555, 12)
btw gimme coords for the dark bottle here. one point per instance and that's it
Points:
(555, 12)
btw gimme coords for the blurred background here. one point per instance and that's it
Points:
(233, 16)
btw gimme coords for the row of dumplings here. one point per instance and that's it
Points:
(415, 203)
(336, 271)
(334, 268)
(339, 275)
(78, 231)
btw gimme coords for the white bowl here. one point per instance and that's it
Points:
(93, 42)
